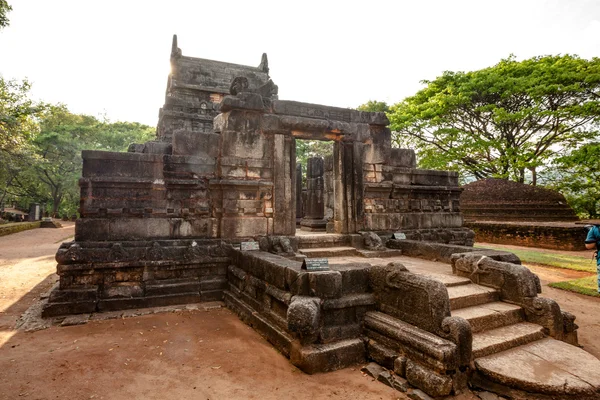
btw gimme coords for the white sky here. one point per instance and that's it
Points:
(112, 56)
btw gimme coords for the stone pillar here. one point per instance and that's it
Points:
(314, 207)
(328, 198)
(299, 205)
(34, 212)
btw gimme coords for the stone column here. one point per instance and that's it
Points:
(299, 205)
(328, 198)
(314, 207)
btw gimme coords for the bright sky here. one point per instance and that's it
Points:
(112, 56)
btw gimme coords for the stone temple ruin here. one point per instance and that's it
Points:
(168, 223)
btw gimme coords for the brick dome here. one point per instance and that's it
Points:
(502, 200)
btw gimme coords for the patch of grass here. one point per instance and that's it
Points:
(587, 286)
(575, 263)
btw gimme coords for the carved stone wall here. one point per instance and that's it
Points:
(195, 88)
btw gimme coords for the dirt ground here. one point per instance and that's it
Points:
(181, 355)
(177, 355)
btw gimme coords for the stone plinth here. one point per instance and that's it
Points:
(547, 235)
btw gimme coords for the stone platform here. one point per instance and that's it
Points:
(435, 325)
(563, 235)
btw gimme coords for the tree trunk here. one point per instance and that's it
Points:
(533, 176)
(521, 177)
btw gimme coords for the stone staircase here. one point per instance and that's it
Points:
(512, 354)
(326, 246)
(496, 326)
(337, 245)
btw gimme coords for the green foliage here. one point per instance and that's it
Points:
(577, 176)
(40, 148)
(17, 115)
(5, 8)
(306, 149)
(502, 120)
(18, 128)
(58, 146)
(374, 106)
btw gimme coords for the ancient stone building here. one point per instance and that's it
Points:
(195, 89)
(171, 221)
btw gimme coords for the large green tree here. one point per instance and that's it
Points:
(503, 120)
(58, 147)
(577, 176)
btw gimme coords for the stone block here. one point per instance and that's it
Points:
(372, 369)
(427, 380)
(297, 281)
(122, 290)
(405, 158)
(327, 357)
(232, 227)
(325, 284)
(275, 275)
(191, 143)
(381, 354)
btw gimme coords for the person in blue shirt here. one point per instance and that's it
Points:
(591, 242)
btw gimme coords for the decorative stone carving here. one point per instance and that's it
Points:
(416, 299)
(155, 252)
(117, 253)
(238, 85)
(71, 255)
(194, 251)
(372, 241)
(303, 316)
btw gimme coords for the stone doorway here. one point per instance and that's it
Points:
(328, 185)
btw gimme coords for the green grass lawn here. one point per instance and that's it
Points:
(587, 286)
(533, 256)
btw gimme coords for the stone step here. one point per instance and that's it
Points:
(545, 366)
(500, 339)
(310, 241)
(469, 295)
(326, 252)
(383, 253)
(490, 315)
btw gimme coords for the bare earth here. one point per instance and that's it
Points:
(177, 355)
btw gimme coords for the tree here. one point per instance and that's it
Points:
(4, 10)
(18, 128)
(374, 106)
(502, 120)
(577, 176)
(58, 147)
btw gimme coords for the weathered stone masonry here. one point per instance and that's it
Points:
(159, 224)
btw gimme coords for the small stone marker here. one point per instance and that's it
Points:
(315, 264)
(248, 246)
(399, 235)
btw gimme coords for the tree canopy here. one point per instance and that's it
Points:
(374, 106)
(40, 147)
(577, 176)
(5, 8)
(502, 120)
